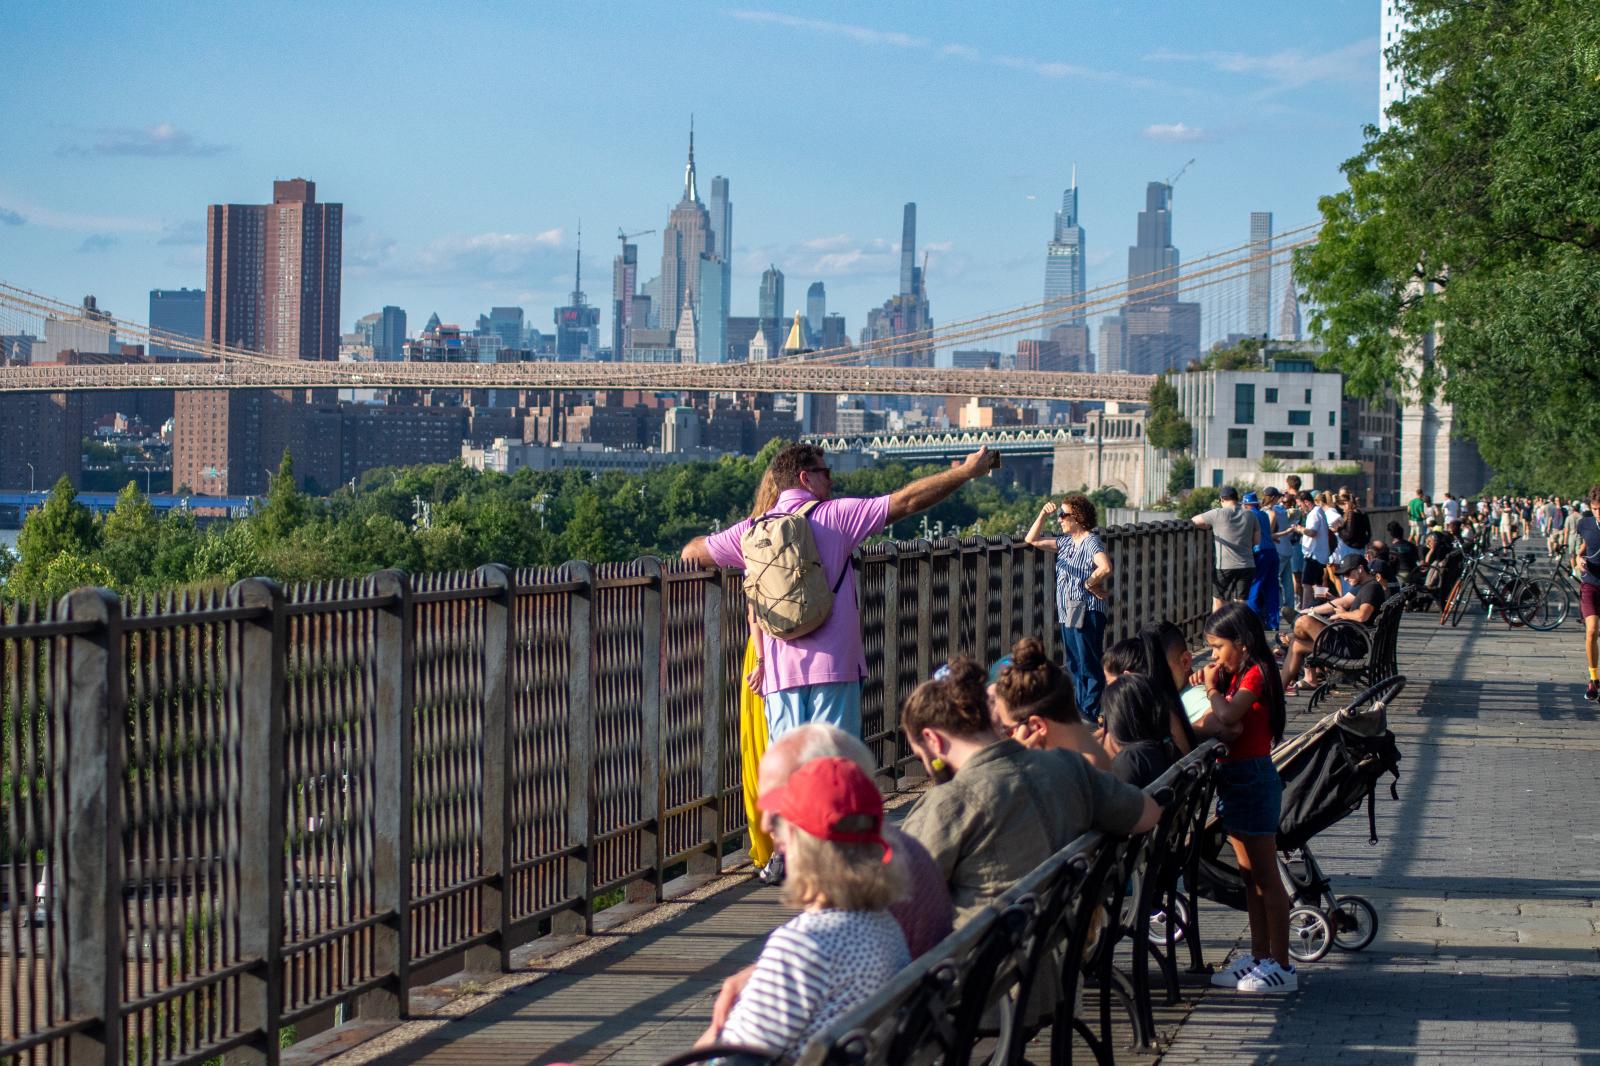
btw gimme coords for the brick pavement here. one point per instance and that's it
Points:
(1485, 878)
(1485, 882)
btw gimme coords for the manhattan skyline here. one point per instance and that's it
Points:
(466, 194)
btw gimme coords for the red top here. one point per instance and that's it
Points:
(1256, 740)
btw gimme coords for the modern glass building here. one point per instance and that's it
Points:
(179, 311)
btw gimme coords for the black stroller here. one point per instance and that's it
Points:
(1327, 772)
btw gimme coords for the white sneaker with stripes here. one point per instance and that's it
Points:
(1230, 977)
(1268, 978)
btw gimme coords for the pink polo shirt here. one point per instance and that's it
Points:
(833, 651)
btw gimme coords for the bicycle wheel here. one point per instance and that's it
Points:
(1543, 604)
(1456, 605)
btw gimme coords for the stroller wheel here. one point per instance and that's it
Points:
(1355, 923)
(1310, 935)
(1180, 923)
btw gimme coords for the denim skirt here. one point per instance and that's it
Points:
(1249, 797)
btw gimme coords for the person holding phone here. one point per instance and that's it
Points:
(1083, 570)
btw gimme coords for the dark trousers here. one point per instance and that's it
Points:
(1082, 648)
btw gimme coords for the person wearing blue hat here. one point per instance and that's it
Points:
(1264, 589)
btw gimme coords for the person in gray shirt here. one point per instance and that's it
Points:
(1234, 531)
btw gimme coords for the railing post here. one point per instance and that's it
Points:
(580, 751)
(980, 613)
(889, 675)
(263, 766)
(1008, 585)
(711, 733)
(91, 712)
(651, 786)
(924, 550)
(392, 653)
(494, 849)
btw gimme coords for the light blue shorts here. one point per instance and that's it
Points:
(837, 703)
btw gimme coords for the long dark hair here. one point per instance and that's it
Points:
(1159, 640)
(1237, 622)
(1132, 712)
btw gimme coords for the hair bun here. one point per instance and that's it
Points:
(1028, 654)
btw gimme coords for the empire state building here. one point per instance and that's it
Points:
(687, 238)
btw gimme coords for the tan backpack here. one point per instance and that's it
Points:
(783, 576)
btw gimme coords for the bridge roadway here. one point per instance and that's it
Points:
(780, 376)
(1485, 880)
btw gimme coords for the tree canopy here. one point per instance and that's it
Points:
(1472, 224)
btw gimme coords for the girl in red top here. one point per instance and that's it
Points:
(1247, 712)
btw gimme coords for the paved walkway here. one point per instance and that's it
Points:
(1485, 881)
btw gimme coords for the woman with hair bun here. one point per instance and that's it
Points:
(1031, 700)
(1082, 570)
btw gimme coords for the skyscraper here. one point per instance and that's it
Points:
(272, 285)
(1258, 304)
(177, 311)
(624, 287)
(816, 311)
(714, 305)
(577, 324)
(906, 313)
(1392, 25)
(389, 339)
(1289, 310)
(1063, 262)
(713, 342)
(1155, 331)
(504, 323)
(685, 240)
(769, 307)
(908, 250)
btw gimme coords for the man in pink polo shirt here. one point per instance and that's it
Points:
(817, 677)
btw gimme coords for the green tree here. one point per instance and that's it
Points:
(1474, 218)
(1107, 496)
(62, 525)
(70, 570)
(1166, 427)
(286, 507)
(1180, 478)
(131, 541)
(1198, 501)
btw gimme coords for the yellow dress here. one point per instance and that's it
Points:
(752, 745)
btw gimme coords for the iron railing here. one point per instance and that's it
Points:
(222, 813)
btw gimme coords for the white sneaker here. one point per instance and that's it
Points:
(1270, 979)
(1231, 977)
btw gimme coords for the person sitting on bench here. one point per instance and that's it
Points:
(1359, 605)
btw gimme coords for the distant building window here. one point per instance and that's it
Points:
(1244, 405)
(1308, 396)
(1272, 396)
(1311, 440)
(1330, 418)
(1273, 439)
(1238, 443)
(1216, 477)
(1299, 418)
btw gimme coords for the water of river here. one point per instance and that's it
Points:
(8, 537)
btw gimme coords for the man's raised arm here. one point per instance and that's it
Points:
(925, 492)
(696, 552)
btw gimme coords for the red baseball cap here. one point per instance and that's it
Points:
(824, 792)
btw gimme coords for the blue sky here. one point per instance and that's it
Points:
(466, 141)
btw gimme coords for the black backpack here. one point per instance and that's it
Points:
(1357, 530)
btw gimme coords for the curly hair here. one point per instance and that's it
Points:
(791, 462)
(1033, 684)
(1081, 508)
(956, 703)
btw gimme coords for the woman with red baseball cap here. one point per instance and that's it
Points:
(843, 945)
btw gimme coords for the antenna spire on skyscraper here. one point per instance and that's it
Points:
(689, 192)
(577, 279)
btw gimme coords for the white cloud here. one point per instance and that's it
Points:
(859, 34)
(1289, 68)
(1174, 132)
(462, 258)
(11, 218)
(1053, 70)
(160, 141)
(190, 231)
(98, 242)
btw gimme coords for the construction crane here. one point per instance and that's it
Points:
(626, 237)
(1174, 179)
